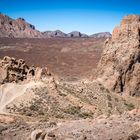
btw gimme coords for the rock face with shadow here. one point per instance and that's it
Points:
(17, 28)
(119, 67)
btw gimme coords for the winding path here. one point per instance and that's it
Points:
(10, 91)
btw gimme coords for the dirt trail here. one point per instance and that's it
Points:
(10, 91)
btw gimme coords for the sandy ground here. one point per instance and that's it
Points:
(70, 58)
(11, 91)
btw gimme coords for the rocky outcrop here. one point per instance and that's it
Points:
(119, 67)
(101, 35)
(15, 70)
(17, 28)
(76, 34)
(52, 34)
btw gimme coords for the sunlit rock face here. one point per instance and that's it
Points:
(18, 28)
(119, 67)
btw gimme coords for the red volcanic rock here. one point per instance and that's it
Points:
(15, 70)
(17, 28)
(116, 33)
(119, 67)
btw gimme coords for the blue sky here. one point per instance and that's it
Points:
(87, 16)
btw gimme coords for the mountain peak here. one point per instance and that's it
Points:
(20, 28)
(17, 28)
(101, 34)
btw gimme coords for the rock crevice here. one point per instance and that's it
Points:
(119, 67)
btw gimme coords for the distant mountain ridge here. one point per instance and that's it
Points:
(102, 34)
(51, 34)
(19, 28)
(58, 33)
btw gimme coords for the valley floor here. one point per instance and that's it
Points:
(67, 105)
(67, 58)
